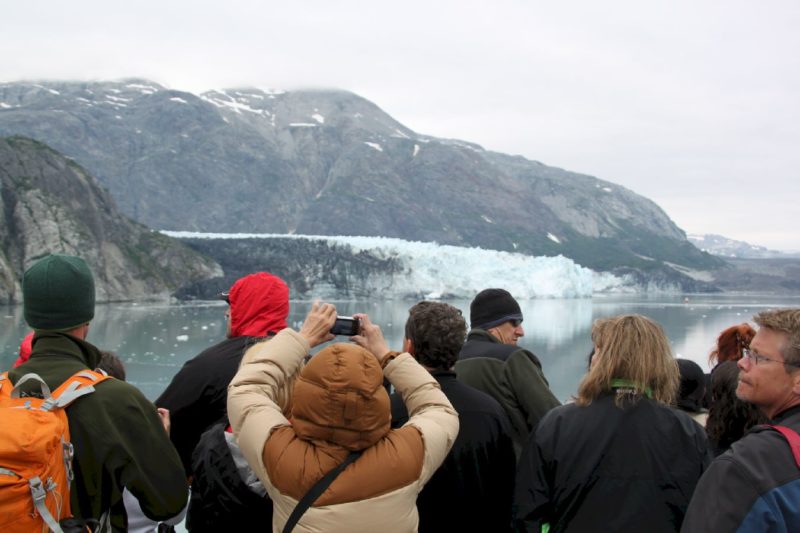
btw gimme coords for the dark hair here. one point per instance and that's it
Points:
(111, 365)
(729, 418)
(692, 389)
(438, 331)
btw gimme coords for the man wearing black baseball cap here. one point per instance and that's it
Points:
(492, 362)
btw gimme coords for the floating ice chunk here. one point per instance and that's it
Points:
(182, 338)
(487, 219)
(553, 238)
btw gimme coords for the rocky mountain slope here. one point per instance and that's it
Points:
(50, 204)
(332, 163)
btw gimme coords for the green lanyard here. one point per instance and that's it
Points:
(628, 384)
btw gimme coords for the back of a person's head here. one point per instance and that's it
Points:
(731, 343)
(112, 365)
(339, 397)
(437, 331)
(784, 321)
(58, 293)
(631, 348)
(729, 418)
(692, 388)
(259, 305)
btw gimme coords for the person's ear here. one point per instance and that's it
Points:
(796, 381)
(408, 346)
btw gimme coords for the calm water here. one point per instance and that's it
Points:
(154, 340)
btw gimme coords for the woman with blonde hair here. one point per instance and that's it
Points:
(619, 458)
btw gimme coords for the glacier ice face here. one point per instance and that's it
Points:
(429, 270)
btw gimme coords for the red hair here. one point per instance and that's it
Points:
(730, 344)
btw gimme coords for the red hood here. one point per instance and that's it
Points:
(24, 350)
(259, 304)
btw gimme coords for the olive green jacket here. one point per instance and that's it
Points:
(118, 437)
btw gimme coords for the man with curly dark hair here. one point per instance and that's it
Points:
(477, 477)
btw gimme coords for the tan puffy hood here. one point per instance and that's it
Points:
(339, 397)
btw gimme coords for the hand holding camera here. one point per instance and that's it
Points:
(317, 326)
(371, 338)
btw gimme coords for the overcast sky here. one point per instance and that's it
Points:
(694, 104)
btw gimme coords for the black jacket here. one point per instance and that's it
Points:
(198, 394)
(226, 495)
(512, 376)
(753, 487)
(605, 468)
(472, 489)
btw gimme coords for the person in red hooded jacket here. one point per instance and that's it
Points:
(197, 396)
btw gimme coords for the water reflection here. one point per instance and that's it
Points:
(154, 340)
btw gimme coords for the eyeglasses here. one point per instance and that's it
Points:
(516, 322)
(757, 358)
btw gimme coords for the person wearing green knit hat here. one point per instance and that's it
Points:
(118, 438)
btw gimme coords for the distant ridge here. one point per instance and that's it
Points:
(332, 163)
(725, 247)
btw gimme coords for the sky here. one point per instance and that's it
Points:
(693, 104)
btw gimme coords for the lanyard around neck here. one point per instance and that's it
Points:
(630, 385)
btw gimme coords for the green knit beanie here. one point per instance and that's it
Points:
(58, 293)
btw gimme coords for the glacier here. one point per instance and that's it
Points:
(431, 270)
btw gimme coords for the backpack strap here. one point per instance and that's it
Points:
(79, 384)
(791, 437)
(39, 493)
(316, 491)
(15, 392)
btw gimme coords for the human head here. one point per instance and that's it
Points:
(436, 332)
(692, 388)
(773, 385)
(729, 418)
(632, 348)
(58, 293)
(339, 397)
(730, 344)
(259, 305)
(112, 365)
(497, 312)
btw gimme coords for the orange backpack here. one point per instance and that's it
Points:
(36, 453)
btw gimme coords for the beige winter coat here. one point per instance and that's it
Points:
(339, 405)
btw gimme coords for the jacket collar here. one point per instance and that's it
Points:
(63, 344)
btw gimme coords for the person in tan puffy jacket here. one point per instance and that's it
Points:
(339, 405)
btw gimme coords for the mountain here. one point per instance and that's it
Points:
(329, 162)
(729, 248)
(50, 204)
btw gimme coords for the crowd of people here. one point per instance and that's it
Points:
(455, 430)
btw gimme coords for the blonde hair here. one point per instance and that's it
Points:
(632, 348)
(786, 321)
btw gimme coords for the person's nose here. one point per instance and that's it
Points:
(744, 364)
(519, 332)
